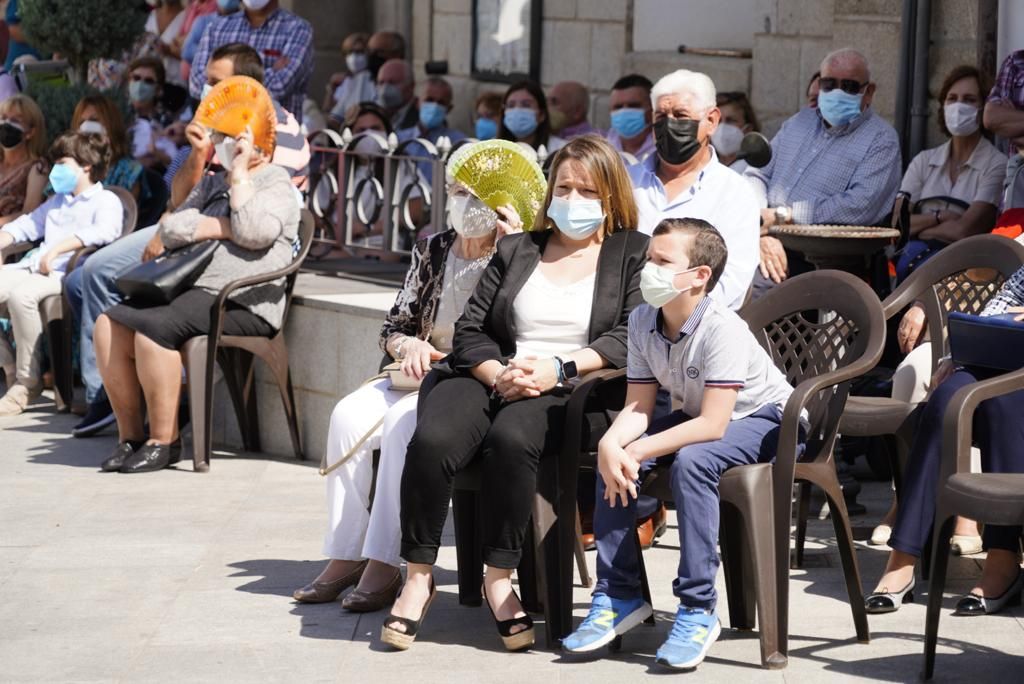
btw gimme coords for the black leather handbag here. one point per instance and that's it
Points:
(161, 280)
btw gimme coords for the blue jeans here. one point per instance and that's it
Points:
(91, 291)
(998, 430)
(696, 472)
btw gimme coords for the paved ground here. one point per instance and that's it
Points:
(176, 576)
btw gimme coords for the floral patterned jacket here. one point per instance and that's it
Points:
(415, 306)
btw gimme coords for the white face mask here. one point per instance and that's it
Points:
(92, 127)
(727, 139)
(207, 89)
(225, 151)
(657, 284)
(961, 118)
(255, 5)
(356, 61)
(368, 145)
(470, 217)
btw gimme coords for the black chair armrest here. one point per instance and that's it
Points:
(958, 418)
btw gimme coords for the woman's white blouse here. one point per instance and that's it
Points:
(552, 319)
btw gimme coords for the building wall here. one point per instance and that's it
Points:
(592, 41)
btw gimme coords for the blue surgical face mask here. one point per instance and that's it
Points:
(63, 179)
(839, 108)
(520, 121)
(629, 122)
(140, 91)
(228, 5)
(576, 219)
(486, 129)
(432, 115)
(207, 89)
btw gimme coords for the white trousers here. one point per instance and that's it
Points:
(354, 532)
(20, 294)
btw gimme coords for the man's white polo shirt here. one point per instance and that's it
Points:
(715, 349)
(721, 197)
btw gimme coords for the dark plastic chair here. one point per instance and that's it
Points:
(995, 498)
(236, 356)
(59, 327)
(952, 280)
(819, 359)
(545, 578)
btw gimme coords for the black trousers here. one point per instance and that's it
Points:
(459, 423)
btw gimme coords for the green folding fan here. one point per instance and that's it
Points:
(501, 172)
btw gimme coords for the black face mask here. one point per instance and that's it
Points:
(676, 139)
(10, 135)
(373, 63)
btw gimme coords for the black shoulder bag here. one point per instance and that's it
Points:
(161, 280)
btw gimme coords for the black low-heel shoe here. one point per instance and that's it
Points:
(886, 602)
(403, 640)
(122, 453)
(521, 640)
(972, 604)
(152, 457)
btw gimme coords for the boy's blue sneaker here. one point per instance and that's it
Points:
(690, 639)
(608, 618)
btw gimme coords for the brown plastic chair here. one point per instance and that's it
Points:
(943, 284)
(994, 498)
(542, 568)
(58, 327)
(819, 359)
(236, 356)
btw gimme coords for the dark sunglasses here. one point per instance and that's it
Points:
(847, 85)
(151, 81)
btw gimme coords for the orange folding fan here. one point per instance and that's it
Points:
(235, 103)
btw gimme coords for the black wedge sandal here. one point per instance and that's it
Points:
(521, 640)
(403, 640)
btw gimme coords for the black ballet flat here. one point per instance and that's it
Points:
(886, 602)
(973, 604)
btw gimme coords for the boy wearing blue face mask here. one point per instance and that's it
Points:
(731, 398)
(80, 214)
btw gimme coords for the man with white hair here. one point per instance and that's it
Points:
(684, 179)
(836, 164)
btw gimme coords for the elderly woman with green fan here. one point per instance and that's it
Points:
(551, 306)
(490, 185)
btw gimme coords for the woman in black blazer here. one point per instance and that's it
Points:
(551, 306)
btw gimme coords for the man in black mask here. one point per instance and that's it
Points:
(382, 46)
(685, 179)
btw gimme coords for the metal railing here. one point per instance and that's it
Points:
(375, 195)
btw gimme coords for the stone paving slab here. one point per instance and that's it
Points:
(176, 576)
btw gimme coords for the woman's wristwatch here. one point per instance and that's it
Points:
(565, 370)
(398, 347)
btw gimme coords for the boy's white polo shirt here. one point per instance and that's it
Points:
(715, 349)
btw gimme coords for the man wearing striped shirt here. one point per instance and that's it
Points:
(838, 163)
(283, 40)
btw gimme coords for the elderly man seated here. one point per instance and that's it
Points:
(684, 179)
(836, 164)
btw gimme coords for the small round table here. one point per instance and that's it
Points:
(845, 248)
(832, 246)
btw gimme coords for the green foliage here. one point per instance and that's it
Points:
(57, 99)
(82, 30)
